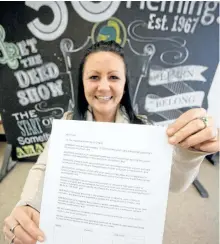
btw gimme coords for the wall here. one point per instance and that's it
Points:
(172, 51)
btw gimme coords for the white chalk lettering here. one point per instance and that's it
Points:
(157, 23)
(34, 139)
(151, 21)
(22, 78)
(23, 49)
(32, 96)
(208, 18)
(25, 115)
(151, 7)
(23, 100)
(41, 92)
(189, 99)
(47, 122)
(56, 88)
(31, 61)
(36, 75)
(176, 74)
(27, 46)
(199, 8)
(30, 127)
(32, 44)
(32, 75)
(103, 10)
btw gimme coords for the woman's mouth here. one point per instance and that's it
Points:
(103, 98)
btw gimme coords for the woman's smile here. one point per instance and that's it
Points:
(104, 99)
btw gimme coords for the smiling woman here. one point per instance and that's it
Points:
(103, 95)
(104, 81)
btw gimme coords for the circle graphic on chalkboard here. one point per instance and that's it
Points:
(110, 30)
(95, 11)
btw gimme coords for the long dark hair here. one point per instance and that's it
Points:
(82, 104)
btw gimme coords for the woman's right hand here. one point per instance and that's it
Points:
(24, 221)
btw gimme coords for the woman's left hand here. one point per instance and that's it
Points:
(194, 129)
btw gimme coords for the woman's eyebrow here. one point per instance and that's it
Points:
(114, 71)
(92, 71)
(95, 71)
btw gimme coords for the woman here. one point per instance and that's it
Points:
(103, 95)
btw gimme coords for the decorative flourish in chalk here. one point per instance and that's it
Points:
(56, 112)
(9, 52)
(67, 48)
(148, 52)
(67, 45)
(177, 55)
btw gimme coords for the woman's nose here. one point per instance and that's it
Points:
(103, 84)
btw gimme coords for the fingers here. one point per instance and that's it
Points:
(194, 133)
(210, 147)
(9, 223)
(19, 232)
(184, 119)
(22, 235)
(199, 138)
(26, 220)
(36, 218)
(28, 230)
(191, 131)
(9, 236)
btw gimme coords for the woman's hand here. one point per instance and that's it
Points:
(21, 227)
(194, 129)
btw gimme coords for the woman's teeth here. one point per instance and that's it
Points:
(104, 98)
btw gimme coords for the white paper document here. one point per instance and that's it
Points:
(106, 183)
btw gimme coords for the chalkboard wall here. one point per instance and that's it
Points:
(172, 50)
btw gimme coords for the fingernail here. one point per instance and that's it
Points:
(40, 238)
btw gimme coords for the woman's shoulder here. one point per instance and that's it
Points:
(144, 119)
(68, 115)
(138, 118)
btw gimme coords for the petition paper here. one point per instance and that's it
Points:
(105, 183)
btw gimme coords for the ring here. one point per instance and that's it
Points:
(13, 228)
(205, 121)
(12, 240)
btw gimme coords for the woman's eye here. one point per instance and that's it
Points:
(113, 77)
(93, 77)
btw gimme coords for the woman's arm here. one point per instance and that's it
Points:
(194, 135)
(25, 216)
(192, 141)
(185, 168)
(33, 188)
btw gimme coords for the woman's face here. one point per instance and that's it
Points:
(104, 80)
